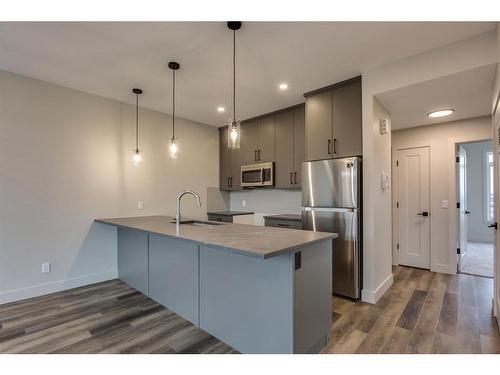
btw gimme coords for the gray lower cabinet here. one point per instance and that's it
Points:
(280, 223)
(133, 258)
(173, 275)
(334, 122)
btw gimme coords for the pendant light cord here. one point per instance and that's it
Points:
(173, 104)
(234, 75)
(136, 122)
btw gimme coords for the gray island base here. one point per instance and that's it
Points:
(264, 290)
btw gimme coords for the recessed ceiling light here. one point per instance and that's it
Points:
(220, 109)
(441, 113)
(283, 86)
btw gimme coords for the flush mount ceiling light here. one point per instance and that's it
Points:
(283, 86)
(441, 113)
(137, 157)
(234, 125)
(220, 109)
(173, 144)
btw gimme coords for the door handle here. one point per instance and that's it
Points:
(295, 178)
(494, 225)
(334, 145)
(467, 212)
(424, 213)
(329, 146)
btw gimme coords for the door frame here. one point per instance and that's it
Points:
(453, 191)
(461, 210)
(395, 199)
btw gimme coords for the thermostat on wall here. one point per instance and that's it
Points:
(384, 126)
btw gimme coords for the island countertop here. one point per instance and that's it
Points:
(251, 240)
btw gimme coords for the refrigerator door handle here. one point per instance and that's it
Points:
(330, 209)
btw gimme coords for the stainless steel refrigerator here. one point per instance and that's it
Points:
(331, 201)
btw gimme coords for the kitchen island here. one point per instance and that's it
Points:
(258, 289)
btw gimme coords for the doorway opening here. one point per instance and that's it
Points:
(476, 211)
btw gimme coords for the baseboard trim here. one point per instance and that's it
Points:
(55, 286)
(372, 296)
(442, 268)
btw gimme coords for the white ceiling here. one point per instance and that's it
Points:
(468, 93)
(109, 59)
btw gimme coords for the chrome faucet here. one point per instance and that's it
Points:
(178, 214)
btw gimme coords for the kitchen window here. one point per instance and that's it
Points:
(489, 211)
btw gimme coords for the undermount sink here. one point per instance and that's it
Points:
(199, 223)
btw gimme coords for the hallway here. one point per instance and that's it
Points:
(478, 260)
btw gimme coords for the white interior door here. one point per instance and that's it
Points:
(413, 205)
(462, 211)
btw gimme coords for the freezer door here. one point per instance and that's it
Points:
(331, 183)
(346, 248)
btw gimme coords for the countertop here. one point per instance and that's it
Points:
(229, 213)
(251, 240)
(288, 217)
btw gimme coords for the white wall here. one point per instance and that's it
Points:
(477, 226)
(437, 138)
(65, 159)
(456, 57)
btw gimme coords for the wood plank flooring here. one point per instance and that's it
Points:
(108, 317)
(422, 312)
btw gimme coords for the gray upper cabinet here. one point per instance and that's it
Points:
(284, 150)
(299, 144)
(249, 142)
(347, 120)
(229, 164)
(257, 140)
(334, 122)
(319, 126)
(265, 151)
(289, 148)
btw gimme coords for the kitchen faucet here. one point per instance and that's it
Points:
(178, 214)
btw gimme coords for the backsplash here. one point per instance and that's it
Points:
(274, 201)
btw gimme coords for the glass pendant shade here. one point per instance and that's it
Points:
(173, 148)
(137, 157)
(233, 133)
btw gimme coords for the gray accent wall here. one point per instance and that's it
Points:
(477, 227)
(267, 200)
(66, 159)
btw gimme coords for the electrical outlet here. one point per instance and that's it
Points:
(243, 203)
(140, 205)
(45, 267)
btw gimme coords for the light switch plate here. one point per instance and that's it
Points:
(243, 203)
(140, 205)
(444, 203)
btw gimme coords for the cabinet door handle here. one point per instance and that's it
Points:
(258, 153)
(291, 174)
(334, 145)
(255, 155)
(329, 146)
(228, 182)
(295, 177)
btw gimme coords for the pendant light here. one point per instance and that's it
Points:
(234, 125)
(137, 157)
(173, 144)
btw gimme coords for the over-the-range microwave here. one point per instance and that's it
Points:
(256, 175)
